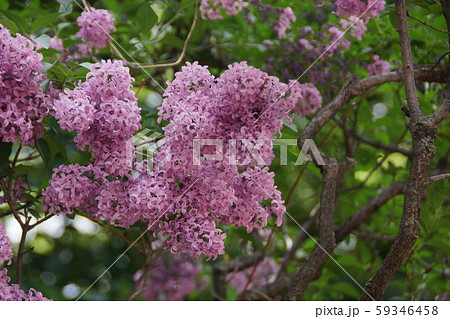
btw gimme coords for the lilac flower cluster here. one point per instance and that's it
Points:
(170, 278)
(286, 17)
(365, 10)
(357, 27)
(73, 188)
(243, 104)
(95, 27)
(212, 9)
(103, 111)
(264, 273)
(6, 253)
(311, 99)
(310, 44)
(12, 292)
(23, 104)
(178, 199)
(378, 66)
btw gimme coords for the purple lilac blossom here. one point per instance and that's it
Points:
(104, 112)
(264, 273)
(170, 278)
(362, 9)
(179, 200)
(378, 66)
(23, 104)
(284, 22)
(8, 291)
(95, 26)
(212, 9)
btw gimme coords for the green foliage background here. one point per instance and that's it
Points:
(154, 31)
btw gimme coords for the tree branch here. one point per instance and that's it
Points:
(440, 114)
(423, 133)
(354, 221)
(407, 61)
(356, 87)
(446, 9)
(313, 267)
(388, 147)
(220, 270)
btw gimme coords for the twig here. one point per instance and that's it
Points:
(426, 24)
(300, 237)
(159, 65)
(21, 251)
(388, 147)
(423, 133)
(441, 177)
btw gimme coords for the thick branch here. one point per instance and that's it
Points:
(440, 114)
(343, 231)
(357, 87)
(446, 9)
(354, 221)
(220, 270)
(407, 61)
(388, 147)
(312, 269)
(423, 133)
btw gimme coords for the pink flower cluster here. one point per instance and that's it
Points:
(334, 40)
(362, 9)
(357, 27)
(178, 199)
(103, 111)
(23, 104)
(243, 104)
(170, 278)
(95, 26)
(286, 17)
(212, 9)
(311, 99)
(378, 66)
(6, 252)
(12, 292)
(264, 273)
(73, 189)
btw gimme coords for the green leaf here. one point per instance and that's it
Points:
(44, 150)
(54, 125)
(5, 170)
(43, 41)
(4, 4)
(21, 170)
(44, 21)
(10, 25)
(110, 5)
(5, 151)
(393, 18)
(146, 18)
(46, 66)
(34, 212)
(18, 20)
(187, 3)
(65, 7)
(56, 146)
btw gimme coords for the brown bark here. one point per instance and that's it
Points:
(313, 267)
(423, 130)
